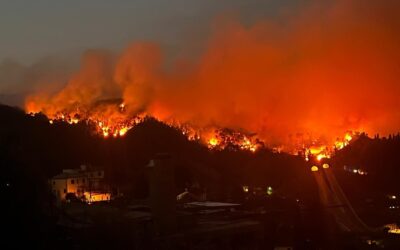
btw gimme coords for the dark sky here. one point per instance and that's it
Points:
(31, 30)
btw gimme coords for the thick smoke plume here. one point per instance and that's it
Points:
(316, 73)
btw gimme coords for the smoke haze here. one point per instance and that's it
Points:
(317, 72)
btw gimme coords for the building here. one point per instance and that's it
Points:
(204, 224)
(84, 184)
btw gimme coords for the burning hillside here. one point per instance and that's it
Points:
(109, 119)
(302, 86)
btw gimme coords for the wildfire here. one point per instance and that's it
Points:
(339, 144)
(213, 142)
(225, 138)
(248, 145)
(115, 122)
(325, 152)
(280, 84)
(123, 131)
(119, 129)
(118, 126)
(73, 121)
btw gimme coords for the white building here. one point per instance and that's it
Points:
(85, 184)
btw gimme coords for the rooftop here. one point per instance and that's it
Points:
(74, 173)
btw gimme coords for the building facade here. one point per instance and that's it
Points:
(84, 184)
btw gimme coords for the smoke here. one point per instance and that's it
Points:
(314, 73)
(17, 80)
(92, 82)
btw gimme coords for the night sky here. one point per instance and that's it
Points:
(31, 30)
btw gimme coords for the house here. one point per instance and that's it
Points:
(85, 184)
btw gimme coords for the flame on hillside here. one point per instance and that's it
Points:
(290, 82)
(213, 138)
(321, 152)
(119, 125)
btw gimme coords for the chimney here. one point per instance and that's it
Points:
(162, 194)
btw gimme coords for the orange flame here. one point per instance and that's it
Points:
(298, 88)
(325, 151)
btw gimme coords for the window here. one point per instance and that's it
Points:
(72, 181)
